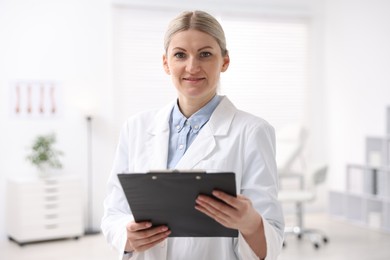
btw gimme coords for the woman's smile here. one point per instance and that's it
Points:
(194, 80)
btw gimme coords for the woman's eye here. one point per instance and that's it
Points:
(180, 55)
(205, 54)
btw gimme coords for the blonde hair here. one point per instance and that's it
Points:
(197, 20)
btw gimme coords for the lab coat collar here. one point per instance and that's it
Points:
(205, 143)
(161, 120)
(159, 138)
(222, 118)
(218, 125)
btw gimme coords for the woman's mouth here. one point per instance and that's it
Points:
(193, 79)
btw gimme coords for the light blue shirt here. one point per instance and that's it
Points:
(183, 131)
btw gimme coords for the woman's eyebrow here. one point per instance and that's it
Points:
(200, 49)
(179, 48)
(205, 47)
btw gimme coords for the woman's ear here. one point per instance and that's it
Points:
(165, 64)
(226, 62)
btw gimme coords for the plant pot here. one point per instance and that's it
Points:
(44, 171)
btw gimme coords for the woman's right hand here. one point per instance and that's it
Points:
(141, 236)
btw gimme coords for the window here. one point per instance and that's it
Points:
(267, 75)
(268, 72)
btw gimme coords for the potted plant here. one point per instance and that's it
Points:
(43, 155)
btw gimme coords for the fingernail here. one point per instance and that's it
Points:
(148, 224)
(164, 228)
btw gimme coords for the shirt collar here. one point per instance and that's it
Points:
(198, 119)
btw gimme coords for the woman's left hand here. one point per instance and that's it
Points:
(233, 212)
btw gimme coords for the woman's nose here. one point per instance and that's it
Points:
(193, 65)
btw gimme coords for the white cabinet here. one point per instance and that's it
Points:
(44, 208)
(366, 198)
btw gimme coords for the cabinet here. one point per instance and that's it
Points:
(366, 199)
(44, 208)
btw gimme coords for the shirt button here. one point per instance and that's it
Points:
(177, 127)
(196, 127)
(181, 147)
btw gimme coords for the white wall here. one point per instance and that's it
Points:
(68, 42)
(357, 79)
(350, 88)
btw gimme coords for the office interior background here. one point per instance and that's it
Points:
(103, 58)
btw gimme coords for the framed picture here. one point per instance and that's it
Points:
(35, 99)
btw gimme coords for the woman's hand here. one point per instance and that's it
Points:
(142, 236)
(233, 212)
(237, 213)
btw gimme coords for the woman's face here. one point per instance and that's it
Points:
(194, 61)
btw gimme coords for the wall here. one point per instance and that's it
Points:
(69, 42)
(357, 79)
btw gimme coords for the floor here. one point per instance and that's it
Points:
(346, 242)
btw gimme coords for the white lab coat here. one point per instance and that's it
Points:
(232, 140)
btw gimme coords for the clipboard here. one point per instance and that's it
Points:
(168, 198)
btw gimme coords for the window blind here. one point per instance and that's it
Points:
(267, 74)
(140, 82)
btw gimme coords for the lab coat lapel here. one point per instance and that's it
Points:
(202, 146)
(205, 143)
(159, 138)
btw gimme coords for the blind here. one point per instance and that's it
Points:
(267, 74)
(140, 82)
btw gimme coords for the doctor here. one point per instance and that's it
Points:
(200, 130)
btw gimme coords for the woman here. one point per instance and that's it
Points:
(200, 130)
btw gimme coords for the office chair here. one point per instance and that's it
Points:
(299, 197)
